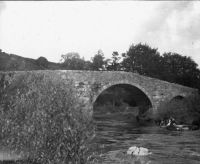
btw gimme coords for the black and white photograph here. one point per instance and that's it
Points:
(100, 82)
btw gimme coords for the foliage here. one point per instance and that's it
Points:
(184, 110)
(171, 67)
(11, 62)
(73, 61)
(113, 96)
(181, 69)
(194, 104)
(40, 120)
(142, 59)
(42, 61)
(114, 65)
(98, 61)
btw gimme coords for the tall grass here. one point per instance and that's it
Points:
(39, 120)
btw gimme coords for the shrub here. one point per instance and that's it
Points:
(194, 103)
(39, 120)
(42, 61)
(184, 110)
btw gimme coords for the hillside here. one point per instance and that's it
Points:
(11, 62)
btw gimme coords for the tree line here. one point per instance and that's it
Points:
(142, 59)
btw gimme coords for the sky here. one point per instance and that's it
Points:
(49, 28)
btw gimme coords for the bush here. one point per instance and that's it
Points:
(42, 61)
(184, 110)
(194, 103)
(39, 120)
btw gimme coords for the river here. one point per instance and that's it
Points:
(115, 133)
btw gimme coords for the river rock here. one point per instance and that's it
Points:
(138, 151)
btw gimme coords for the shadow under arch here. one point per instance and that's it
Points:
(177, 98)
(134, 86)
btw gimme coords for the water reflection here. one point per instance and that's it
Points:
(117, 132)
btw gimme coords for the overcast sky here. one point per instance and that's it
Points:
(49, 29)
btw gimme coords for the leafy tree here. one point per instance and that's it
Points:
(171, 67)
(73, 61)
(114, 65)
(181, 69)
(69, 55)
(87, 65)
(98, 61)
(42, 61)
(142, 59)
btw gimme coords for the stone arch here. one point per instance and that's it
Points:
(124, 82)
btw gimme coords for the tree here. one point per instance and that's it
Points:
(42, 61)
(114, 65)
(98, 61)
(73, 61)
(181, 69)
(143, 59)
(87, 65)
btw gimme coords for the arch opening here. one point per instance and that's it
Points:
(116, 112)
(177, 98)
(122, 98)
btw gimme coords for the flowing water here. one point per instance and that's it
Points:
(116, 133)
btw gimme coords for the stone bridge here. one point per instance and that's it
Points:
(90, 84)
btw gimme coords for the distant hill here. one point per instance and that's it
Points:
(12, 62)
